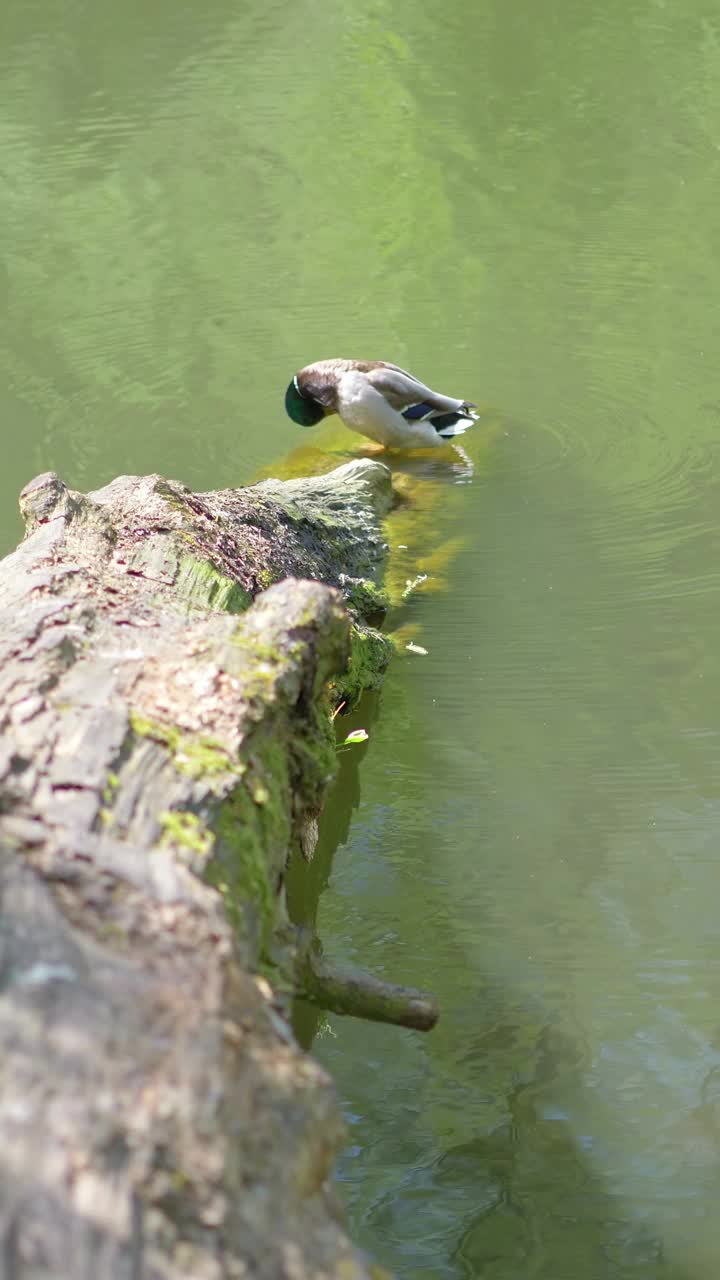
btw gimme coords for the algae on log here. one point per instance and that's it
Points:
(158, 1121)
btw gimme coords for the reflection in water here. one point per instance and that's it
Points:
(305, 882)
(450, 465)
(198, 199)
(550, 837)
(454, 467)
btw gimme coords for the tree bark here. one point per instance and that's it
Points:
(164, 743)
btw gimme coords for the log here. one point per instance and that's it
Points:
(164, 743)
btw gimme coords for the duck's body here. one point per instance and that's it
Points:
(378, 400)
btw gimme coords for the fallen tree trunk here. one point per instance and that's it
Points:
(163, 745)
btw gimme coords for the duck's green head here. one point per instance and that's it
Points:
(302, 409)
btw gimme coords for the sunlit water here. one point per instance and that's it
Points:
(520, 202)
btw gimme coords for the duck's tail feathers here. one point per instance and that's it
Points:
(446, 424)
(449, 425)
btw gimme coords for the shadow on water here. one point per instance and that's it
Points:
(305, 882)
(531, 1182)
(520, 1197)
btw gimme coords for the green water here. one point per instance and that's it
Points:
(520, 202)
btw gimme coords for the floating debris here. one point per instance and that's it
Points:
(416, 648)
(352, 739)
(412, 584)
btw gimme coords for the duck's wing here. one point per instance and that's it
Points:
(401, 389)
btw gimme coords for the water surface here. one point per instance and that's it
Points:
(520, 202)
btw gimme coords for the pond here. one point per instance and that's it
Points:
(519, 202)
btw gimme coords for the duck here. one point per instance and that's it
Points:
(378, 400)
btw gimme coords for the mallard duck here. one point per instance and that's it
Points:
(378, 400)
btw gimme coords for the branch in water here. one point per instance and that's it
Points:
(346, 990)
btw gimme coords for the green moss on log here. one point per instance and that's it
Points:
(370, 652)
(185, 830)
(195, 756)
(199, 757)
(143, 727)
(365, 597)
(204, 587)
(252, 829)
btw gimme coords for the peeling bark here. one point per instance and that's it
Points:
(163, 746)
